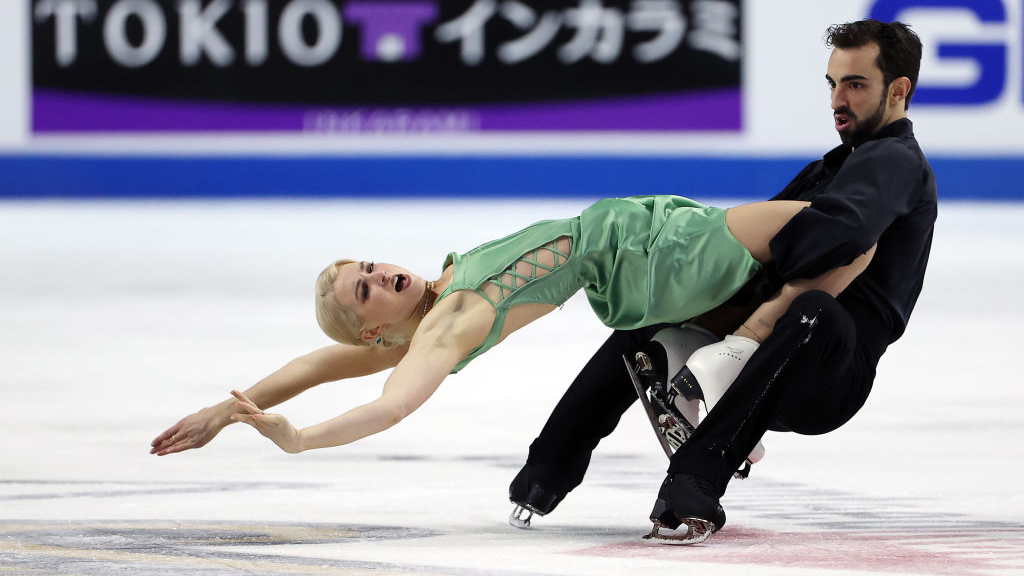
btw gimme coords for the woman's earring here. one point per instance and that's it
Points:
(379, 340)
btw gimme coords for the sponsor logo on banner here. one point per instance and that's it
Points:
(972, 51)
(386, 66)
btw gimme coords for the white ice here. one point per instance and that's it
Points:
(116, 319)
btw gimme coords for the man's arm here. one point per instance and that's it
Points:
(874, 187)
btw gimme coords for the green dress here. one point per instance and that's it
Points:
(641, 260)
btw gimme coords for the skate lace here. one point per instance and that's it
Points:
(530, 266)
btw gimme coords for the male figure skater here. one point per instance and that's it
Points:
(815, 369)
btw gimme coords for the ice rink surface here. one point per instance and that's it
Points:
(117, 319)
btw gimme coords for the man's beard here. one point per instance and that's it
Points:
(865, 129)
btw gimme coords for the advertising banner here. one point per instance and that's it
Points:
(386, 66)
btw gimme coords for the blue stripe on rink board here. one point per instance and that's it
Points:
(33, 176)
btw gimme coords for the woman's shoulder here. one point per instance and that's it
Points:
(462, 319)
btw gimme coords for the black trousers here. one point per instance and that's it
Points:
(588, 411)
(810, 376)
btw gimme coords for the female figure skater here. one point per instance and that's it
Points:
(641, 261)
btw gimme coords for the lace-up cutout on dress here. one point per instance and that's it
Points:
(530, 266)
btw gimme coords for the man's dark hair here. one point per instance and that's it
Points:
(899, 47)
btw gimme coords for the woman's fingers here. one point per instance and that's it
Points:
(273, 426)
(242, 397)
(249, 411)
(244, 402)
(165, 440)
(176, 442)
(192, 431)
(243, 417)
(178, 445)
(167, 435)
(259, 420)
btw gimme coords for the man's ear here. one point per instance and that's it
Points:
(898, 90)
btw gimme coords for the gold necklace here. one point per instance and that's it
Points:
(428, 298)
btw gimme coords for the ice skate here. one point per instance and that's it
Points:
(520, 517)
(710, 370)
(529, 498)
(673, 407)
(687, 511)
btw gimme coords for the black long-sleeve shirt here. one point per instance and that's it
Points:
(883, 192)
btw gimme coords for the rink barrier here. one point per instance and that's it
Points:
(39, 176)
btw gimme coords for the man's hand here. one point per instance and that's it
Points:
(273, 426)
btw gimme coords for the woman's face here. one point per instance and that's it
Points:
(382, 294)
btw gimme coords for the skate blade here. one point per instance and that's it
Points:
(641, 392)
(697, 531)
(517, 520)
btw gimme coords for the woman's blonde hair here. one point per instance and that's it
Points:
(338, 322)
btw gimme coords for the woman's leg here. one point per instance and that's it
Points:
(754, 225)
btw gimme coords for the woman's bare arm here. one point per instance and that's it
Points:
(328, 364)
(411, 383)
(762, 322)
(444, 338)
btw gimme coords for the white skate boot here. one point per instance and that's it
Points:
(672, 416)
(711, 370)
(696, 357)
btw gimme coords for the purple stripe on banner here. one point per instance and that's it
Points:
(56, 111)
(696, 110)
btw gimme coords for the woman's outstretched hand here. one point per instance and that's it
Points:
(273, 426)
(192, 431)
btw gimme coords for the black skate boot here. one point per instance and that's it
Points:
(530, 498)
(690, 500)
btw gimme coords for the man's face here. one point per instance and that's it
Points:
(859, 93)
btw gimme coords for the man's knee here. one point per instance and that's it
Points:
(823, 389)
(816, 308)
